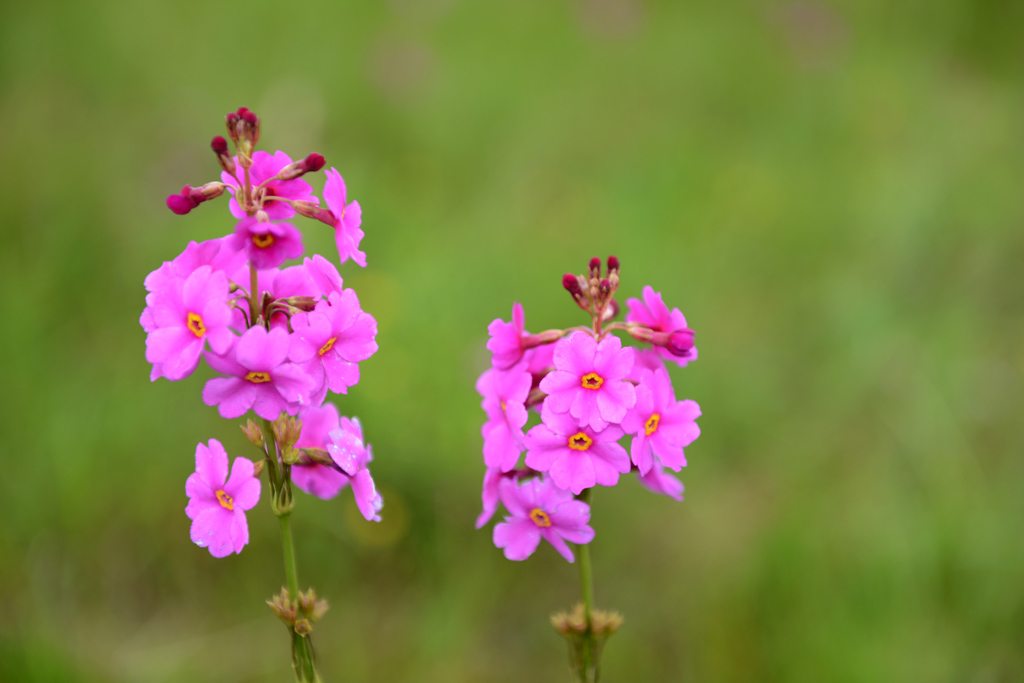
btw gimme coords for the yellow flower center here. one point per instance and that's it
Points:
(258, 377)
(327, 346)
(195, 323)
(592, 380)
(652, 424)
(263, 241)
(225, 500)
(540, 518)
(502, 406)
(580, 441)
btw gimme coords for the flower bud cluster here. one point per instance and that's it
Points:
(589, 393)
(299, 614)
(279, 335)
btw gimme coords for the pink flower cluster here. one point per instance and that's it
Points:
(279, 335)
(586, 393)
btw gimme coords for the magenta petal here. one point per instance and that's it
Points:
(239, 530)
(212, 463)
(572, 513)
(368, 500)
(232, 396)
(211, 529)
(518, 537)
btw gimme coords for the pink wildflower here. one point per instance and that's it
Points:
(506, 342)
(504, 394)
(323, 275)
(589, 380)
(264, 167)
(661, 426)
(489, 495)
(657, 480)
(653, 313)
(315, 479)
(217, 503)
(347, 219)
(216, 253)
(261, 380)
(575, 457)
(352, 456)
(538, 509)
(266, 244)
(330, 340)
(184, 314)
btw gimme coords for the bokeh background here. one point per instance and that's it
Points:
(832, 194)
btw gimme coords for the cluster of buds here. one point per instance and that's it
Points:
(298, 614)
(586, 638)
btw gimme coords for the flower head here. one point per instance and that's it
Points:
(504, 394)
(330, 340)
(660, 425)
(539, 509)
(183, 315)
(267, 244)
(216, 253)
(589, 380)
(506, 342)
(217, 503)
(347, 219)
(315, 479)
(260, 378)
(575, 457)
(348, 452)
(653, 313)
(264, 167)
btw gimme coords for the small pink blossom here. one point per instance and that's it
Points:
(489, 495)
(589, 380)
(347, 219)
(264, 167)
(216, 253)
(653, 313)
(260, 379)
(315, 479)
(506, 342)
(323, 275)
(183, 316)
(539, 509)
(657, 480)
(329, 341)
(660, 425)
(217, 503)
(266, 244)
(575, 457)
(504, 394)
(353, 457)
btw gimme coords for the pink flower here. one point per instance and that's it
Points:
(489, 495)
(504, 402)
(538, 509)
(352, 456)
(267, 244)
(264, 167)
(323, 275)
(261, 380)
(589, 380)
(659, 481)
(183, 315)
(575, 457)
(540, 359)
(506, 342)
(661, 426)
(347, 219)
(653, 313)
(318, 480)
(330, 340)
(217, 503)
(216, 253)
(644, 359)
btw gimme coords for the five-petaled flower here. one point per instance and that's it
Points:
(660, 425)
(589, 380)
(217, 502)
(574, 456)
(346, 219)
(504, 400)
(537, 509)
(653, 313)
(267, 245)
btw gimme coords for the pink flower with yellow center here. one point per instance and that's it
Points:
(660, 425)
(589, 380)
(575, 457)
(539, 509)
(260, 378)
(217, 502)
(267, 245)
(315, 479)
(264, 167)
(504, 394)
(653, 313)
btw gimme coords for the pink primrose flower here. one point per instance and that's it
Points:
(347, 219)
(489, 495)
(315, 479)
(506, 342)
(589, 380)
(574, 456)
(504, 394)
(323, 275)
(266, 244)
(657, 480)
(660, 425)
(539, 509)
(353, 457)
(653, 313)
(260, 378)
(216, 253)
(329, 341)
(217, 503)
(264, 167)
(183, 316)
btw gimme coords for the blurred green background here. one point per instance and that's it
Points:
(830, 192)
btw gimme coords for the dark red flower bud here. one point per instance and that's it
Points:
(613, 263)
(571, 283)
(313, 162)
(249, 117)
(595, 267)
(605, 286)
(219, 145)
(182, 203)
(680, 342)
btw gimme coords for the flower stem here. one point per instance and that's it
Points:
(587, 584)
(290, 572)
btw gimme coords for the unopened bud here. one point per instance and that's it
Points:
(308, 164)
(231, 121)
(605, 287)
(611, 311)
(545, 337)
(605, 623)
(283, 607)
(182, 203)
(570, 282)
(220, 147)
(613, 264)
(680, 342)
(191, 197)
(595, 268)
(257, 468)
(303, 627)
(253, 433)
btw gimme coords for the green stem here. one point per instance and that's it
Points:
(254, 294)
(587, 584)
(291, 574)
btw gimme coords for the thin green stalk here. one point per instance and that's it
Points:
(587, 585)
(291, 574)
